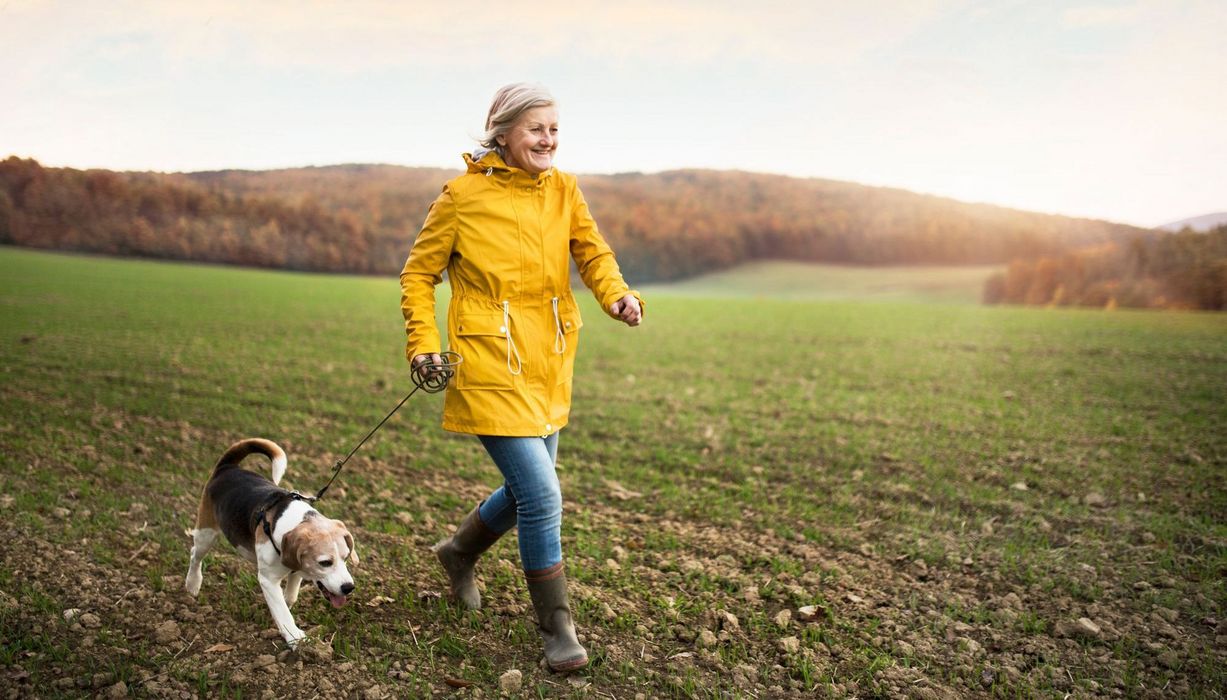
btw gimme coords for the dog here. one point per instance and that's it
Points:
(279, 530)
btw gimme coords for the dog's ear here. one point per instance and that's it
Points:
(290, 545)
(349, 542)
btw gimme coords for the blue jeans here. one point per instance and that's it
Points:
(529, 498)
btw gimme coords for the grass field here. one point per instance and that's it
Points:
(780, 279)
(975, 501)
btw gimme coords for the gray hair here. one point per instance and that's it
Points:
(509, 103)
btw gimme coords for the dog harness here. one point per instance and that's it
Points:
(262, 514)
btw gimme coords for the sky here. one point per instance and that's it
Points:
(1113, 110)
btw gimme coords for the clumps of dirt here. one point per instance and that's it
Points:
(987, 631)
(741, 610)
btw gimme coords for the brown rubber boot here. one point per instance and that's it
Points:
(458, 555)
(548, 589)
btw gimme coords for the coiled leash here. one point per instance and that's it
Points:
(430, 377)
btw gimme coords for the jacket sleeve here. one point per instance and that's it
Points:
(423, 272)
(594, 257)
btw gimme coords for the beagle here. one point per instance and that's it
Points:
(287, 539)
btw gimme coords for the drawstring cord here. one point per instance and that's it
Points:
(511, 344)
(560, 340)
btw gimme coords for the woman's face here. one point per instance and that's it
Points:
(530, 144)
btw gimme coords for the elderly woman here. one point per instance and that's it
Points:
(506, 231)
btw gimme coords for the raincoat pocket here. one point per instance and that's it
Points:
(481, 339)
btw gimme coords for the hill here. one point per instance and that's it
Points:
(1202, 223)
(362, 218)
(783, 279)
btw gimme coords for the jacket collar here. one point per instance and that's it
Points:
(490, 162)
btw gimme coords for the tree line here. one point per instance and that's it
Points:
(664, 226)
(1186, 270)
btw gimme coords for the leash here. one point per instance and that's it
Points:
(427, 376)
(432, 383)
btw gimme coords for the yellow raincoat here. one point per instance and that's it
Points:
(505, 237)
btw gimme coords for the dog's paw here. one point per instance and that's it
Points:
(295, 637)
(192, 584)
(313, 651)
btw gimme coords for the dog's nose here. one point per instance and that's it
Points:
(347, 588)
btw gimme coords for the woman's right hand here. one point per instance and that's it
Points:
(627, 310)
(428, 359)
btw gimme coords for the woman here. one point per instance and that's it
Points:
(506, 231)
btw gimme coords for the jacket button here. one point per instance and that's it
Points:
(502, 329)
(567, 324)
(548, 427)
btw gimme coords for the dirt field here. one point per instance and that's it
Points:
(763, 499)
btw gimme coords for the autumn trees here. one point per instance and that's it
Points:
(172, 216)
(1178, 270)
(362, 219)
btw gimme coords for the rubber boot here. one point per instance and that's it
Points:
(458, 554)
(548, 589)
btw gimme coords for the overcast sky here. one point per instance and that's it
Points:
(1106, 109)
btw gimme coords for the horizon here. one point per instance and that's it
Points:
(1103, 110)
(629, 172)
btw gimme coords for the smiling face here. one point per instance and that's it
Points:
(530, 144)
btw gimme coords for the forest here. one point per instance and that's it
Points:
(664, 226)
(1184, 270)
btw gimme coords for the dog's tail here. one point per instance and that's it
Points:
(242, 448)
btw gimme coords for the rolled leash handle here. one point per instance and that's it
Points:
(432, 377)
(440, 373)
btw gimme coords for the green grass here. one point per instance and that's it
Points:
(862, 455)
(780, 279)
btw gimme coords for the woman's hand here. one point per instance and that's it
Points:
(432, 359)
(627, 310)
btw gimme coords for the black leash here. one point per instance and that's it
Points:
(427, 376)
(434, 381)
